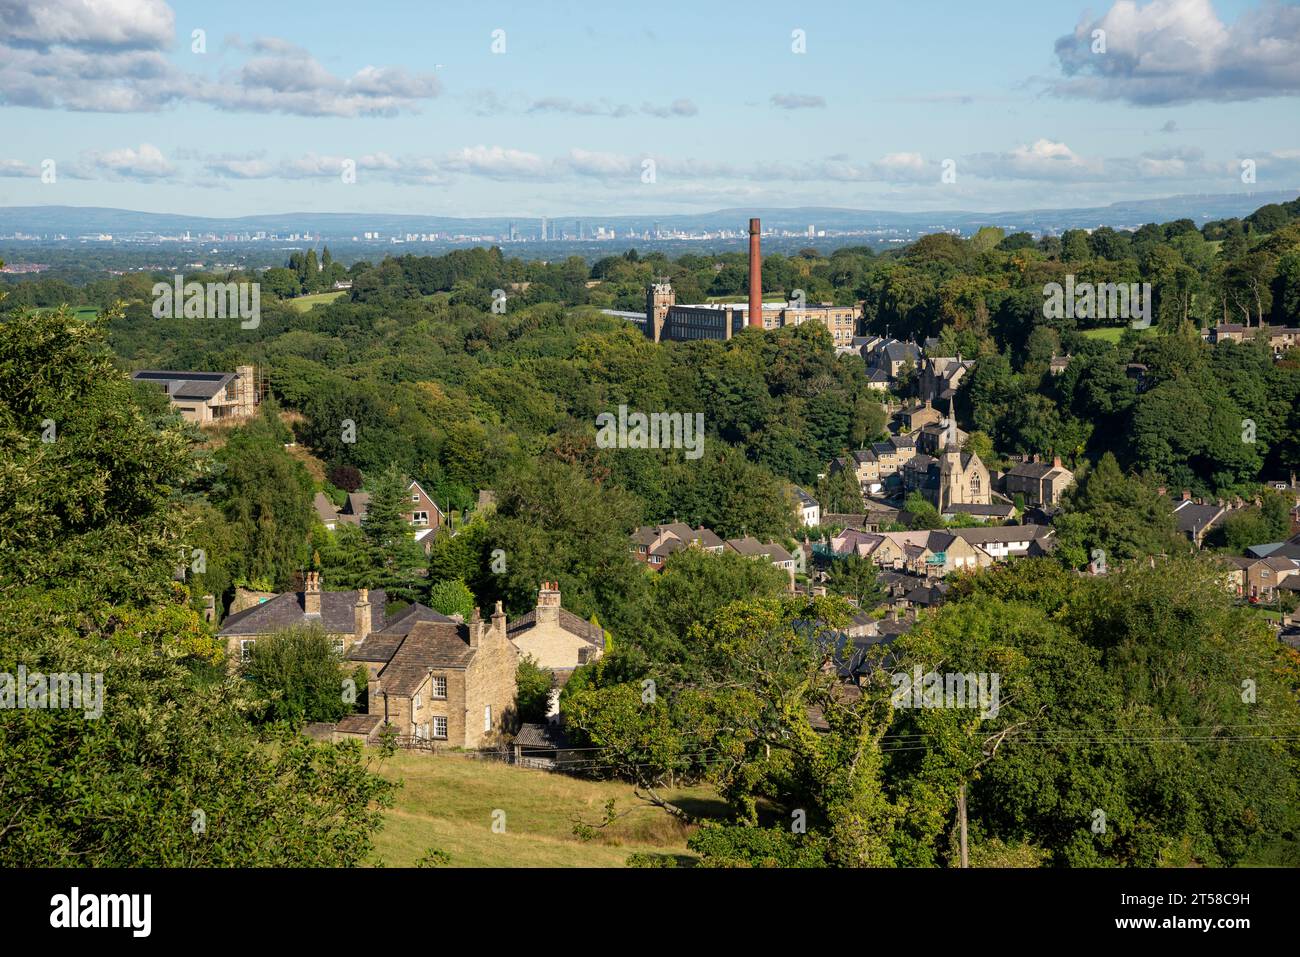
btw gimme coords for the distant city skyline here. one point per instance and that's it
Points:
(673, 108)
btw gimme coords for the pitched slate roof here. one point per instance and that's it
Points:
(804, 498)
(430, 645)
(1031, 470)
(753, 548)
(359, 723)
(570, 622)
(358, 504)
(547, 737)
(337, 614)
(902, 351)
(325, 509)
(402, 622)
(185, 385)
(1003, 533)
(1192, 519)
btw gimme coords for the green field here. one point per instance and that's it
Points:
(304, 303)
(84, 313)
(1111, 334)
(447, 802)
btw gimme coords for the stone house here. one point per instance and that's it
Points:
(653, 544)
(557, 639)
(1041, 484)
(345, 616)
(772, 552)
(451, 683)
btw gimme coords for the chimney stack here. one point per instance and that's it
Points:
(548, 602)
(755, 275)
(499, 621)
(361, 614)
(311, 596)
(475, 628)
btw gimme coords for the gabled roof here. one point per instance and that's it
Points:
(902, 351)
(1193, 518)
(337, 614)
(1031, 470)
(358, 504)
(753, 548)
(406, 619)
(186, 385)
(592, 634)
(325, 509)
(805, 499)
(430, 645)
(1003, 533)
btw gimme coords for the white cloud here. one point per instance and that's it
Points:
(797, 101)
(96, 23)
(109, 56)
(12, 167)
(1043, 160)
(1178, 51)
(146, 163)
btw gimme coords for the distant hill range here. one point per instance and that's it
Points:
(89, 220)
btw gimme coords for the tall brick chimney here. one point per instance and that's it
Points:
(755, 275)
(311, 594)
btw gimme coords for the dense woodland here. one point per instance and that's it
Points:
(443, 389)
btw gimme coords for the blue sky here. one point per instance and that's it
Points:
(288, 98)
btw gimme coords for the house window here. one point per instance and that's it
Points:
(440, 728)
(439, 686)
(420, 518)
(338, 645)
(246, 648)
(415, 496)
(487, 717)
(415, 705)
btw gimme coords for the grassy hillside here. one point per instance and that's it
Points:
(447, 803)
(1111, 334)
(304, 303)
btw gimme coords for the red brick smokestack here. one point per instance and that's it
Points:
(755, 275)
